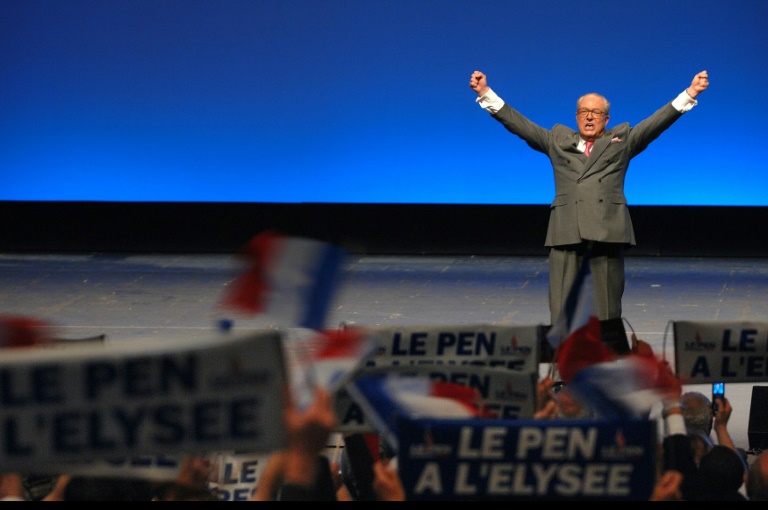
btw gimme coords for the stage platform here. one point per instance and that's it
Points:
(126, 296)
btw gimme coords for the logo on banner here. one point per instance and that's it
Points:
(699, 345)
(515, 348)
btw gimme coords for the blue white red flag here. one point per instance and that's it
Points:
(579, 306)
(327, 358)
(628, 387)
(620, 389)
(336, 355)
(383, 398)
(612, 387)
(291, 279)
(576, 335)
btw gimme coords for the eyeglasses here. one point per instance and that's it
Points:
(595, 113)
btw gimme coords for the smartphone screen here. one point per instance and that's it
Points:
(718, 393)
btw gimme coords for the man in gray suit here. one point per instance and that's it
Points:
(589, 208)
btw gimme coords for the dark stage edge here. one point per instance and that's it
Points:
(416, 229)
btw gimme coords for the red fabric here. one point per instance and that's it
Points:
(455, 391)
(660, 375)
(19, 331)
(339, 343)
(588, 149)
(372, 440)
(247, 292)
(582, 348)
(469, 397)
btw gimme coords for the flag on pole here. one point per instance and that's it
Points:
(291, 279)
(626, 388)
(611, 386)
(338, 354)
(576, 335)
(326, 358)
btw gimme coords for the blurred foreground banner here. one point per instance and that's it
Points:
(714, 351)
(490, 460)
(84, 403)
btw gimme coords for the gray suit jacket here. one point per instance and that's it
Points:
(589, 201)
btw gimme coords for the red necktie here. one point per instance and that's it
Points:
(588, 148)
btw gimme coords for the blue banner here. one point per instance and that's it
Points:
(476, 459)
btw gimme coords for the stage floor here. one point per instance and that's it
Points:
(131, 296)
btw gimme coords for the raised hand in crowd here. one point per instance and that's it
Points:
(386, 481)
(546, 405)
(667, 487)
(308, 433)
(720, 423)
(305, 468)
(271, 478)
(57, 493)
(11, 487)
(191, 483)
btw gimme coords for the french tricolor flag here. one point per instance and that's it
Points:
(612, 387)
(576, 335)
(291, 279)
(336, 355)
(385, 397)
(626, 388)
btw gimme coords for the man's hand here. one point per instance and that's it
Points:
(699, 84)
(479, 83)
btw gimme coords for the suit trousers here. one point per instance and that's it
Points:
(607, 266)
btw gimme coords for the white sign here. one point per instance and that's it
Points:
(506, 347)
(713, 351)
(88, 402)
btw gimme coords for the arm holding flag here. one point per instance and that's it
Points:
(308, 433)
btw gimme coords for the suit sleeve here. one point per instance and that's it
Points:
(534, 135)
(651, 128)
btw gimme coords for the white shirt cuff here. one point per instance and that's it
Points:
(684, 102)
(675, 424)
(490, 101)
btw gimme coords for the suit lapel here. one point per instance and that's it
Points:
(600, 145)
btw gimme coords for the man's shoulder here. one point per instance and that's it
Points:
(563, 130)
(618, 129)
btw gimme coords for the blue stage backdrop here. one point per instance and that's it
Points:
(349, 101)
